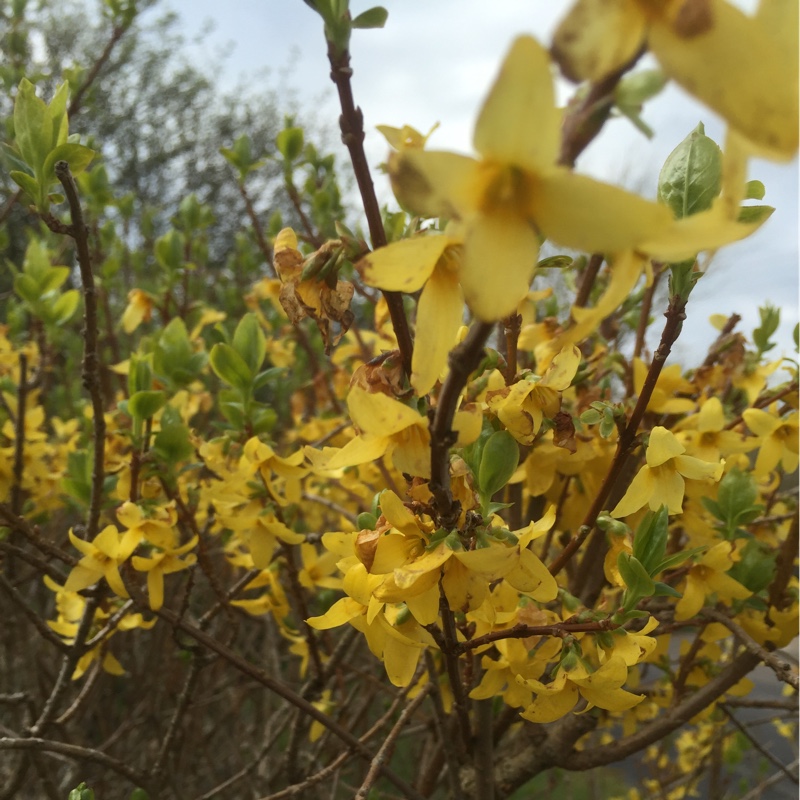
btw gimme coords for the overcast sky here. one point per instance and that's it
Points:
(434, 62)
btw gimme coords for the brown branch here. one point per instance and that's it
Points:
(583, 121)
(757, 745)
(41, 626)
(91, 359)
(644, 317)
(521, 631)
(68, 663)
(588, 277)
(666, 723)
(464, 358)
(279, 688)
(784, 567)
(79, 754)
(783, 669)
(386, 749)
(351, 123)
(261, 240)
(440, 724)
(675, 315)
(511, 329)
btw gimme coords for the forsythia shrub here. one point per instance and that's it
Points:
(403, 484)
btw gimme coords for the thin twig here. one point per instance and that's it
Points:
(352, 127)
(783, 669)
(386, 749)
(757, 745)
(675, 315)
(80, 754)
(91, 358)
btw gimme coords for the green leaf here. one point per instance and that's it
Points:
(374, 17)
(650, 541)
(499, 461)
(76, 155)
(754, 190)
(665, 590)
(677, 558)
(635, 577)
(172, 350)
(638, 87)
(28, 184)
(145, 404)
(33, 126)
(555, 262)
(265, 377)
(755, 567)
(27, 288)
(250, 343)
(750, 215)
(290, 143)
(262, 418)
(691, 177)
(65, 306)
(169, 250)
(173, 444)
(231, 368)
(14, 160)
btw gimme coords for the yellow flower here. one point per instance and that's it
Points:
(745, 68)
(257, 527)
(387, 425)
(269, 463)
(160, 564)
(708, 576)
(430, 263)
(154, 523)
(101, 559)
(138, 310)
(522, 406)
(779, 439)
(670, 382)
(398, 645)
(661, 480)
(516, 193)
(705, 436)
(601, 688)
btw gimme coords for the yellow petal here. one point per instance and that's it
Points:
(492, 562)
(594, 39)
(500, 253)
(550, 707)
(532, 577)
(708, 230)
(81, 577)
(361, 450)
(519, 122)
(668, 489)
(378, 414)
(425, 606)
(694, 596)
(662, 447)
(741, 69)
(638, 494)
(562, 369)
(439, 314)
(429, 562)
(433, 183)
(397, 515)
(582, 213)
(340, 612)
(403, 266)
(155, 588)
